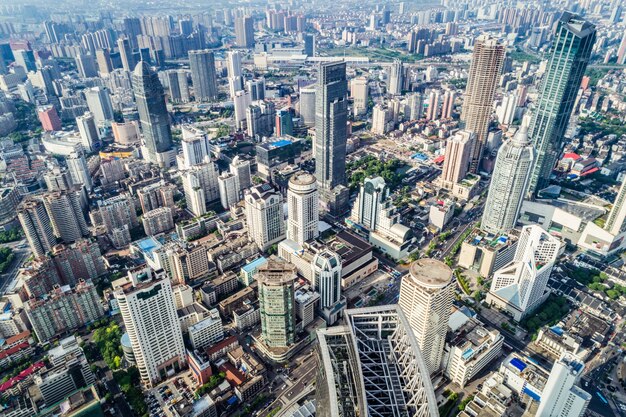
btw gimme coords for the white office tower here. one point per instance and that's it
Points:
(457, 158)
(241, 169)
(509, 183)
(79, 171)
(146, 303)
(615, 223)
(326, 268)
(234, 64)
(200, 186)
(88, 131)
(264, 215)
(372, 366)
(99, 103)
(507, 110)
(359, 94)
(195, 146)
(228, 185)
(307, 106)
(242, 101)
(235, 84)
(560, 397)
(426, 296)
(303, 208)
(396, 74)
(416, 106)
(520, 286)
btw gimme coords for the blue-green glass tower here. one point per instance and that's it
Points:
(567, 61)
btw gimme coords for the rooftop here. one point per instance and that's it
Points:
(431, 273)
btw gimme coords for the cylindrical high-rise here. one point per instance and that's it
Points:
(509, 183)
(327, 277)
(303, 208)
(482, 81)
(426, 295)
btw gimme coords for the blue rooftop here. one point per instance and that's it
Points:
(531, 394)
(148, 244)
(280, 143)
(252, 266)
(557, 330)
(518, 364)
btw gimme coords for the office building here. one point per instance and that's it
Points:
(560, 397)
(396, 78)
(233, 64)
(195, 146)
(520, 286)
(264, 215)
(331, 117)
(426, 296)
(126, 54)
(284, 122)
(244, 31)
(615, 223)
(88, 132)
(354, 360)
(155, 122)
(359, 91)
(307, 106)
(103, 59)
(457, 158)
(303, 208)
(229, 189)
(99, 103)
(509, 183)
(202, 64)
(86, 65)
(201, 186)
(309, 44)
(276, 280)
(242, 102)
(326, 269)
(66, 215)
(146, 302)
(567, 62)
(484, 74)
(36, 226)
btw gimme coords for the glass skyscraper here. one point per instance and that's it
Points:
(150, 98)
(567, 61)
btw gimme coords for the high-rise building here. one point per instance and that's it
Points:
(244, 31)
(117, 212)
(260, 119)
(79, 171)
(201, 186)
(126, 53)
(426, 296)
(359, 94)
(103, 58)
(484, 74)
(233, 64)
(88, 132)
(158, 221)
(416, 106)
(434, 98)
(256, 88)
(509, 183)
(276, 279)
(240, 168)
(230, 192)
(448, 104)
(99, 103)
(567, 62)
(326, 269)
(264, 215)
(303, 208)
(66, 215)
(36, 226)
(560, 397)
(352, 359)
(284, 122)
(159, 194)
(202, 64)
(309, 44)
(49, 118)
(241, 103)
(155, 122)
(86, 65)
(621, 52)
(615, 224)
(507, 109)
(307, 106)
(195, 146)
(146, 303)
(396, 75)
(331, 117)
(520, 286)
(457, 158)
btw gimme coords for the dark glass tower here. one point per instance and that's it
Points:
(567, 61)
(155, 122)
(331, 117)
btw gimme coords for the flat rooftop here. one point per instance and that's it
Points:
(431, 273)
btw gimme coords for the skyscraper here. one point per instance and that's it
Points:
(276, 280)
(155, 122)
(99, 103)
(482, 81)
(86, 65)
(147, 306)
(303, 206)
(126, 53)
(621, 52)
(201, 186)
(36, 226)
(307, 106)
(520, 286)
(228, 185)
(426, 296)
(615, 223)
(240, 168)
(567, 61)
(560, 397)
(264, 215)
(354, 361)
(396, 75)
(331, 116)
(66, 215)
(244, 31)
(509, 183)
(202, 64)
(457, 158)
(79, 171)
(326, 268)
(234, 64)
(284, 122)
(88, 131)
(359, 94)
